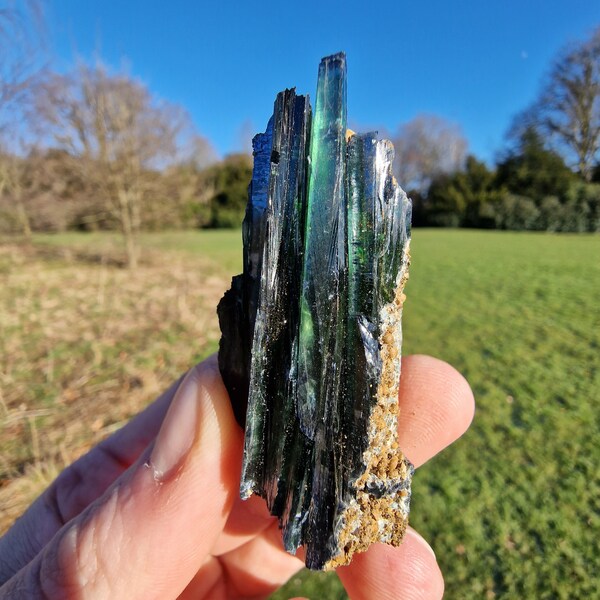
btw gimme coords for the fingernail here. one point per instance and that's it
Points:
(421, 540)
(178, 432)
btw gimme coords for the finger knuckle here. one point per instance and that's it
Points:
(78, 566)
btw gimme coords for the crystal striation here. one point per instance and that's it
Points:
(311, 330)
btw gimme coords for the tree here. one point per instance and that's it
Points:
(531, 170)
(427, 147)
(568, 109)
(57, 195)
(21, 46)
(117, 133)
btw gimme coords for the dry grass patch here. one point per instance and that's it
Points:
(85, 344)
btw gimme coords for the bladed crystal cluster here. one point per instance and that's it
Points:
(311, 330)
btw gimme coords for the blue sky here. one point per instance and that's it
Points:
(474, 62)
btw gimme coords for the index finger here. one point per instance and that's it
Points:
(436, 407)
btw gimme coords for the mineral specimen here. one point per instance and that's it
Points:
(311, 335)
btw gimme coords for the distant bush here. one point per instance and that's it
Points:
(581, 209)
(550, 214)
(9, 220)
(228, 181)
(516, 212)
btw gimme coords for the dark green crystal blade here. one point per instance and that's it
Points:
(324, 264)
(276, 325)
(323, 305)
(237, 309)
(363, 361)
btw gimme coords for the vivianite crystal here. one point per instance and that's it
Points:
(311, 330)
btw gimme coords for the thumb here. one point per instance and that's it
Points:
(149, 533)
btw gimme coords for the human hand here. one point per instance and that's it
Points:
(153, 511)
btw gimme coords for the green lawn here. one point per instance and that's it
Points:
(222, 247)
(513, 509)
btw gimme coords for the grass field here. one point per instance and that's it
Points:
(512, 510)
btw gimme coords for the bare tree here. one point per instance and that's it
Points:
(21, 49)
(118, 133)
(568, 109)
(428, 146)
(197, 152)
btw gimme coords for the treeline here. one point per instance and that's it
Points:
(531, 188)
(56, 192)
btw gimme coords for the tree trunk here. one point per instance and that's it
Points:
(132, 249)
(128, 230)
(23, 217)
